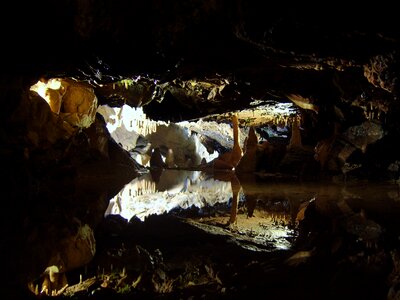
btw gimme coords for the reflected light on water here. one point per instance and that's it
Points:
(143, 196)
(154, 194)
(263, 216)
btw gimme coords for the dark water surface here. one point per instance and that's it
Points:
(180, 234)
(266, 207)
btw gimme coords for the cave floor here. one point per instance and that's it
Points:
(280, 240)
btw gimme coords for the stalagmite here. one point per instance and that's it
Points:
(229, 160)
(54, 282)
(295, 140)
(236, 153)
(248, 162)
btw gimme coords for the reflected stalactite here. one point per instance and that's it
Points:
(138, 187)
(161, 190)
(236, 188)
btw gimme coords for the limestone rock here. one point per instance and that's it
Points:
(333, 152)
(230, 160)
(248, 163)
(73, 101)
(98, 137)
(72, 252)
(79, 104)
(305, 103)
(75, 250)
(382, 72)
(363, 135)
(43, 127)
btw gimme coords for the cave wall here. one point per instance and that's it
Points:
(343, 65)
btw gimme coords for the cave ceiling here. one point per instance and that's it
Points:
(180, 61)
(183, 60)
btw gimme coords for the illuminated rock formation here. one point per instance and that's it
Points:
(73, 101)
(305, 103)
(79, 104)
(184, 143)
(229, 160)
(236, 153)
(248, 162)
(272, 113)
(54, 282)
(43, 128)
(72, 251)
(199, 61)
(143, 196)
(380, 72)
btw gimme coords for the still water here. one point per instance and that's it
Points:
(264, 212)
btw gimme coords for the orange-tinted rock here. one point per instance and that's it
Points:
(236, 153)
(248, 163)
(79, 104)
(295, 139)
(230, 160)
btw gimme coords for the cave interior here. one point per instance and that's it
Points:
(200, 149)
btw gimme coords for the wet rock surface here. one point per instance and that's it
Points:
(186, 60)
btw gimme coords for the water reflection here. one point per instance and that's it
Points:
(161, 192)
(265, 212)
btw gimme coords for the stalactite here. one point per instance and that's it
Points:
(139, 188)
